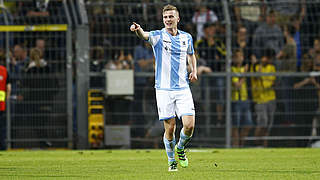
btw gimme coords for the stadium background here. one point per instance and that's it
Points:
(68, 104)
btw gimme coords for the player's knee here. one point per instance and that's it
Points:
(170, 129)
(189, 128)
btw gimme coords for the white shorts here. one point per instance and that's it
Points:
(172, 103)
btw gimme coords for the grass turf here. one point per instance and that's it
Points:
(152, 164)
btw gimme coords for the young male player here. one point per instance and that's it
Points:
(172, 49)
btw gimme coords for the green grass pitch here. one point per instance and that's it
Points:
(210, 164)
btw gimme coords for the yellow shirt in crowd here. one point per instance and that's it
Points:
(239, 94)
(262, 87)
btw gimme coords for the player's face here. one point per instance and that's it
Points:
(170, 19)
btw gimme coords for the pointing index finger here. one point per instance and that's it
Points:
(135, 24)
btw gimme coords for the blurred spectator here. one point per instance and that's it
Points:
(19, 60)
(203, 15)
(121, 60)
(287, 62)
(40, 88)
(97, 60)
(316, 48)
(242, 117)
(248, 15)
(120, 107)
(296, 22)
(40, 8)
(34, 12)
(143, 62)
(212, 51)
(241, 41)
(198, 94)
(267, 36)
(41, 45)
(124, 60)
(41, 12)
(154, 127)
(18, 63)
(111, 65)
(97, 64)
(5, 90)
(36, 59)
(287, 57)
(221, 31)
(100, 26)
(307, 88)
(34, 82)
(143, 57)
(307, 63)
(286, 9)
(310, 30)
(310, 64)
(264, 95)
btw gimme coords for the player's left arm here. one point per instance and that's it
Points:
(193, 66)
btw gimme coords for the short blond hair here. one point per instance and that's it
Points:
(170, 7)
(35, 54)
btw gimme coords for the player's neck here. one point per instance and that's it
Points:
(172, 31)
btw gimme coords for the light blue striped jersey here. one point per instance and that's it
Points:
(171, 58)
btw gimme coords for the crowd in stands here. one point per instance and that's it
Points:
(34, 61)
(267, 36)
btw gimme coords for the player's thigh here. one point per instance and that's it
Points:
(165, 104)
(169, 124)
(184, 103)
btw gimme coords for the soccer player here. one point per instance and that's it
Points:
(172, 49)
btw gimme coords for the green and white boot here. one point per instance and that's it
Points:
(183, 160)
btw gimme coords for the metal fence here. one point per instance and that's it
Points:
(35, 38)
(286, 34)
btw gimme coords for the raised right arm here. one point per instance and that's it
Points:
(139, 31)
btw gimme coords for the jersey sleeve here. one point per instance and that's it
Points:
(190, 50)
(154, 37)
